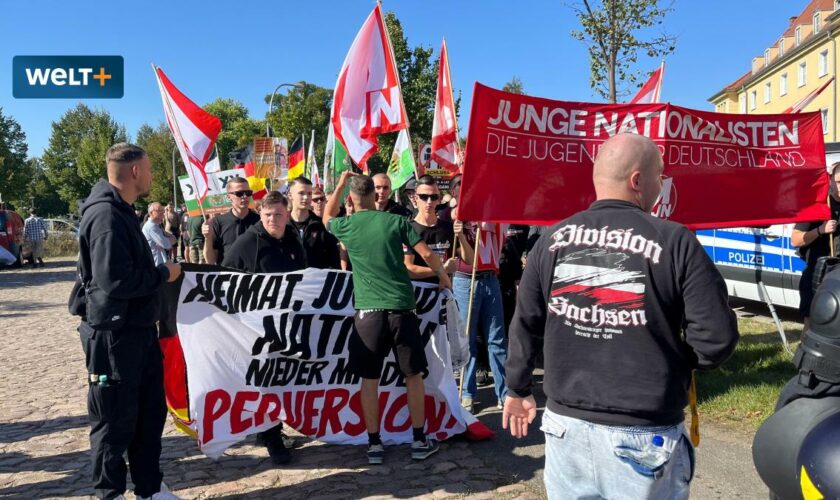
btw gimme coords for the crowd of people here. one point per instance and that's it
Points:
(665, 310)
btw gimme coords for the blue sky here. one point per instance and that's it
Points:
(243, 49)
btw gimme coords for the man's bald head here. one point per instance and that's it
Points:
(382, 185)
(628, 167)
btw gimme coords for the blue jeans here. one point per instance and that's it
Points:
(488, 317)
(589, 461)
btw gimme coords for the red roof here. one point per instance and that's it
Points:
(807, 15)
(737, 83)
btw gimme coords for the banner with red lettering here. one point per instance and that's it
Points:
(261, 348)
(721, 170)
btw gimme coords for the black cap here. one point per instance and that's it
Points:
(411, 185)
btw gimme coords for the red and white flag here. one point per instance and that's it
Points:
(194, 130)
(650, 91)
(445, 149)
(368, 99)
(805, 101)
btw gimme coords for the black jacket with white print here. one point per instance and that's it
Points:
(628, 305)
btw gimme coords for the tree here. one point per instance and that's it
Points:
(238, 129)
(159, 145)
(304, 108)
(75, 157)
(610, 29)
(15, 173)
(514, 86)
(42, 193)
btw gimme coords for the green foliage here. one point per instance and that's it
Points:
(42, 193)
(514, 86)
(75, 158)
(15, 172)
(61, 245)
(238, 129)
(159, 145)
(611, 29)
(743, 392)
(302, 109)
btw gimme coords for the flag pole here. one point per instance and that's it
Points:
(174, 123)
(469, 307)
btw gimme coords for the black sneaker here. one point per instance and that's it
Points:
(422, 450)
(278, 452)
(375, 454)
(481, 377)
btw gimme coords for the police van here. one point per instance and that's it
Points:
(747, 256)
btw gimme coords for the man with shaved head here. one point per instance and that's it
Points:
(117, 295)
(383, 201)
(628, 306)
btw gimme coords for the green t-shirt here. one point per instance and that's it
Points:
(374, 242)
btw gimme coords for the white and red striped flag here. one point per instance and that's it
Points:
(805, 101)
(368, 99)
(195, 131)
(445, 148)
(650, 91)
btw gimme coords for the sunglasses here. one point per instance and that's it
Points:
(318, 200)
(242, 194)
(427, 197)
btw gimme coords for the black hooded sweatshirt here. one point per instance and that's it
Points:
(321, 247)
(628, 305)
(256, 251)
(118, 285)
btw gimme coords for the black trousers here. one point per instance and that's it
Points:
(126, 408)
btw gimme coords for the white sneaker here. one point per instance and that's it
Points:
(163, 494)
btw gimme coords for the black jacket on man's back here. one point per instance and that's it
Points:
(629, 305)
(256, 251)
(321, 247)
(118, 285)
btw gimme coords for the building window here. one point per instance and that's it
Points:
(823, 63)
(824, 114)
(797, 37)
(742, 103)
(783, 84)
(800, 74)
(816, 22)
(752, 99)
(766, 57)
(782, 46)
(767, 92)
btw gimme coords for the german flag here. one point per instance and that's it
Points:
(297, 163)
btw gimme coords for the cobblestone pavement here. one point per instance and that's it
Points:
(44, 448)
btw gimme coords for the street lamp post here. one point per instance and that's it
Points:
(271, 104)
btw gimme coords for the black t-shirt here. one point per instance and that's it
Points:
(819, 247)
(440, 239)
(227, 228)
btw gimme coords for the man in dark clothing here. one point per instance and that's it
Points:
(812, 240)
(437, 234)
(629, 306)
(383, 201)
(268, 247)
(223, 230)
(117, 296)
(510, 267)
(321, 246)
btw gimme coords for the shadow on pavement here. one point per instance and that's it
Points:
(11, 432)
(55, 271)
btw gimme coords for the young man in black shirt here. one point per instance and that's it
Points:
(438, 234)
(268, 247)
(321, 246)
(383, 201)
(812, 240)
(221, 231)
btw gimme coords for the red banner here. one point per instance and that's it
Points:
(529, 160)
